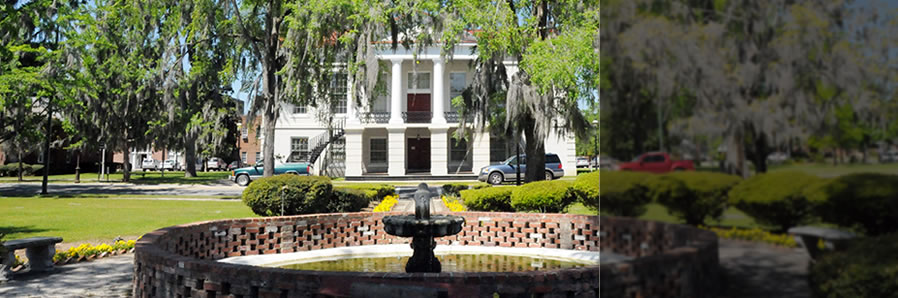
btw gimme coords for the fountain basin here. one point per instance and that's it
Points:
(435, 226)
(664, 259)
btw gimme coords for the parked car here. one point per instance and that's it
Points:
(149, 164)
(506, 171)
(243, 176)
(582, 162)
(234, 165)
(606, 163)
(777, 157)
(656, 162)
(170, 165)
(889, 156)
(215, 164)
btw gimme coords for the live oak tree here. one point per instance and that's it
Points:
(555, 45)
(116, 51)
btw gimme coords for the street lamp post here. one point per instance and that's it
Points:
(596, 152)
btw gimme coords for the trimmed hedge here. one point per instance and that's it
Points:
(868, 268)
(586, 189)
(452, 189)
(867, 201)
(624, 193)
(776, 199)
(12, 169)
(488, 199)
(692, 196)
(303, 195)
(374, 192)
(542, 196)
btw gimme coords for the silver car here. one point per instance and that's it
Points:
(506, 171)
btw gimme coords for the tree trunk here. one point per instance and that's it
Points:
(268, 145)
(19, 172)
(760, 158)
(536, 155)
(735, 155)
(190, 155)
(126, 164)
(78, 167)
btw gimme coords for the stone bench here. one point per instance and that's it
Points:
(38, 250)
(833, 239)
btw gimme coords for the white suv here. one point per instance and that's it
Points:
(149, 164)
(215, 164)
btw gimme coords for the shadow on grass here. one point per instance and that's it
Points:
(10, 230)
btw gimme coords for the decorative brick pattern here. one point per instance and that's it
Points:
(180, 261)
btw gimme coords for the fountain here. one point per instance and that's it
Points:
(423, 228)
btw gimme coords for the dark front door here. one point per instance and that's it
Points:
(418, 155)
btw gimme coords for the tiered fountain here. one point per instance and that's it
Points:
(423, 227)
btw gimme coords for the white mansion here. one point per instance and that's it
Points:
(406, 134)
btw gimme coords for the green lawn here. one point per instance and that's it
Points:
(655, 212)
(89, 219)
(140, 177)
(829, 170)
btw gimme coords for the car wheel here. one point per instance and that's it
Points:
(549, 175)
(496, 178)
(243, 180)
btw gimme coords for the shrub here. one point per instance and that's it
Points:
(868, 202)
(452, 189)
(374, 192)
(624, 193)
(348, 200)
(777, 199)
(868, 268)
(301, 195)
(481, 185)
(586, 189)
(542, 196)
(12, 169)
(488, 199)
(692, 196)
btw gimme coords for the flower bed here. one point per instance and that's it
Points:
(86, 252)
(387, 204)
(754, 234)
(454, 204)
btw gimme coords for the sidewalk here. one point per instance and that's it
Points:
(107, 277)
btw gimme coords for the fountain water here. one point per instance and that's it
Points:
(423, 228)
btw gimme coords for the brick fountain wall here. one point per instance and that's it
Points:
(179, 261)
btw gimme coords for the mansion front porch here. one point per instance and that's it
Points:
(409, 152)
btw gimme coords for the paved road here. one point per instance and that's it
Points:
(29, 189)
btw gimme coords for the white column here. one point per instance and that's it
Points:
(480, 150)
(354, 157)
(396, 93)
(439, 97)
(396, 151)
(439, 150)
(352, 117)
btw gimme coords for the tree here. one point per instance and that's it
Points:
(555, 46)
(198, 62)
(116, 51)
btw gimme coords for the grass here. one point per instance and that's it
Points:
(140, 177)
(829, 170)
(87, 219)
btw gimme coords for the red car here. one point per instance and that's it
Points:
(656, 162)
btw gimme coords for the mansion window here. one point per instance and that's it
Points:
(299, 149)
(378, 151)
(299, 109)
(258, 156)
(339, 88)
(457, 84)
(418, 81)
(243, 157)
(458, 149)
